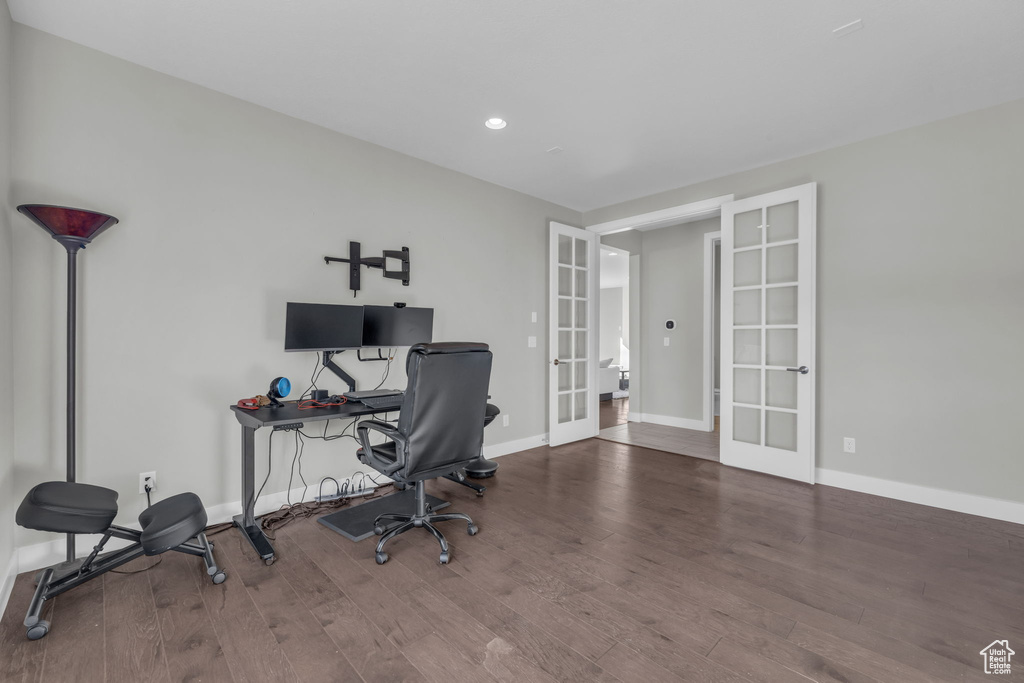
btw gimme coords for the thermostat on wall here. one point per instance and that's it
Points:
(670, 324)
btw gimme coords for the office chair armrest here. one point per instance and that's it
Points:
(390, 431)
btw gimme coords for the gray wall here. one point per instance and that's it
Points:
(920, 315)
(672, 287)
(611, 323)
(227, 210)
(8, 502)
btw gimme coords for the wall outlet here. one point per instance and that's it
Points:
(849, 445)
(666, 341)
(143, 477)
(504, 420)
(531, 342)
(533, 317)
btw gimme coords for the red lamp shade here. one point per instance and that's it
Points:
(61, 221)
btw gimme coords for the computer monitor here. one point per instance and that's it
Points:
(388, 326)
(322, 327)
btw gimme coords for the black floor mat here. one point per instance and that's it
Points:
(356, 522)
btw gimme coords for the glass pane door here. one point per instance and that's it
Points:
(573, 344)
(768, 324)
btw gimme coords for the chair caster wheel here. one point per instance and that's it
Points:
(379, 530)
(479, 494)
(472, 529)
(269, 561)
(38, 630)
(444, 558)
(381, 558)
(220, 577)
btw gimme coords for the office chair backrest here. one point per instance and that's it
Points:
(442, 415)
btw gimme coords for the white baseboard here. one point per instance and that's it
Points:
(8, 581)
(983, 506)
(669, 421)
(31, 557)
(500, 449)
(39, 555)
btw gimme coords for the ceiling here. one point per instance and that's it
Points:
(614, 268)
(641, 96)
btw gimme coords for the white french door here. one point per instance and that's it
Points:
(767, 359)
(572, 334)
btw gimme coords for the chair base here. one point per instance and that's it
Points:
(423, 518)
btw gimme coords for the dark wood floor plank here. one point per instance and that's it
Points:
(541, 647)
(22, 659)
(372, 596)
(498, 657)
(373, 654)
(439, 662)
(190, 640)
(250, 649)
(133, 643)
(311, 652)
(76, 646)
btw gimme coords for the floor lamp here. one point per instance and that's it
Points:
(73, 228)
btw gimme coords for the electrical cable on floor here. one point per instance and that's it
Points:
(278, 519)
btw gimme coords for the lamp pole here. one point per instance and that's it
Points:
(73, 228)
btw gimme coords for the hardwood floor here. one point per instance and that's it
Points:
(697, 444)
(595, 561)
(613, 412)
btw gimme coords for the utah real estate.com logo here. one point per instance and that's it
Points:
(997, 657)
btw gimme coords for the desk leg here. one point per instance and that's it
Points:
(247, 521)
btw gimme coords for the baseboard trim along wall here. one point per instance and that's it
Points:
(499, 449)
(36, 556)
(8, 584)
(669, 421)
(983, 506)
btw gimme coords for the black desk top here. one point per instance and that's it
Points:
(290, 413)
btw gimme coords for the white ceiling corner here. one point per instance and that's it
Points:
(641, 96)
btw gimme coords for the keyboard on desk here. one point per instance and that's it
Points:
(383, 402)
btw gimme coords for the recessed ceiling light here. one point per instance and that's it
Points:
(495, 123)
(613, 253)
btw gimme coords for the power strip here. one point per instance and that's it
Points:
(339, 496)
(367, 488)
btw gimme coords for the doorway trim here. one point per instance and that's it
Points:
(663, 218)
(653, 220)
(710, 333)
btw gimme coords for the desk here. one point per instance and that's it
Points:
(288, 413)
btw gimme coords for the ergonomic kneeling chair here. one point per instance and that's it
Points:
(175, 523)
(440, 430)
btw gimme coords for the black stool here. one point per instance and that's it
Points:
(480, 468)
(176, 523)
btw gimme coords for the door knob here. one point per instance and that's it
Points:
(803, 369)
(556, 361)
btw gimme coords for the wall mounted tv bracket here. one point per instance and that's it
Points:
(355, 260)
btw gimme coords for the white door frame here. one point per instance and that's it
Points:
(653, 220)
(710, 333)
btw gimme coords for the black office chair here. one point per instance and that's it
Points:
(175, 523)
(440, 430)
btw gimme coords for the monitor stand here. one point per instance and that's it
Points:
(330, 365)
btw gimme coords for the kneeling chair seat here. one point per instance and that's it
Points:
(73, 508)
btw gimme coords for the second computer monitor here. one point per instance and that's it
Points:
(390, 326)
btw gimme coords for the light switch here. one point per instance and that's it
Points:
(533, 317)
(666, 341)
(531, 342)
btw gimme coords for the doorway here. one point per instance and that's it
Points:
(614, 337)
